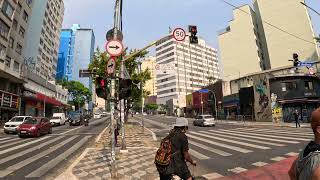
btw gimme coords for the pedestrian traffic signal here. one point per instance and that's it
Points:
(125, 88)
(296, 60)
(193, 34)
(102, 87)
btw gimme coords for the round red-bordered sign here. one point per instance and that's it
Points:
(179, 34)
(114, 48)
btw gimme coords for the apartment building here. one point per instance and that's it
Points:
(14, 20)
(195, 67)
(43, 37)
(241, 45)
(150, 85)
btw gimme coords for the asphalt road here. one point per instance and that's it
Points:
(226, 150)
(43, 157)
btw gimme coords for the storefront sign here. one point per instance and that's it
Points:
(8, 100)
(29, 94)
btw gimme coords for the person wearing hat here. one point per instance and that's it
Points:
(180, 148)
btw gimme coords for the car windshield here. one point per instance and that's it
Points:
(31, 121)
(17, 119)
(207, 117)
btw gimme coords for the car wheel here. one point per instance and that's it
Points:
(20, 136)
(50, 131)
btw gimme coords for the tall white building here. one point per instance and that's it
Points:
(194, 65)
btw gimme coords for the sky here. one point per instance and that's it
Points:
(145, 21)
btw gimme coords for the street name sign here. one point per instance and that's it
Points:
(111, 66)
(114, 48)
(179, 34)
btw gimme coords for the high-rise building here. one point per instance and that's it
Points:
(150, 86)
(241, 45)
(293, 33)
(43, 37)
(14, 21)
(75, 53)
(195, 66)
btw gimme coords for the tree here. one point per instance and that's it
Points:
(77, 91)
(99, 62)
(152, 107)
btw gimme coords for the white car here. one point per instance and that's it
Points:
(204, 120)
(12, 124)
(96, 116)
(58, 119)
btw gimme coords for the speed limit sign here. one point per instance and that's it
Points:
(179, 34)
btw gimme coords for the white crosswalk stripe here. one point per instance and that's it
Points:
(198, 155)
(278, 131)
(18, 141)
(4, 138)
(15, 167)
(216, 151)
(231, 141)
(8, 140)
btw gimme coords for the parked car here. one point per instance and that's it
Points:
(13, 123)
(76, 119)
(204, 120)
(96, 116)
(35, 126)
(58, 119)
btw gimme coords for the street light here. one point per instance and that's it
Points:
(214, 96)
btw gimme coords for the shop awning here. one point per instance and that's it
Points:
(50, 100)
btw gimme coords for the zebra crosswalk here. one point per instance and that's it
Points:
(33, 158)
(227, 142)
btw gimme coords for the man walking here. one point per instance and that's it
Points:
(179, 152)
(296, 115)
(307, 165)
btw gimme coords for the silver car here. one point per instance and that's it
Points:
(204, 120)
(13, 123)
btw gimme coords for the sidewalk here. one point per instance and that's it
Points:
(137, 163)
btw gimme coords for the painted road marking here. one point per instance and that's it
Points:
(231, 141)
(234, 148)
(13, 143)
(21, 153)
(4, 138)
(255, 137)
(244, 139)
(292, 154)
(278, 131)
(212, 176)
(198, 155)
(9, 140)
(216, 151)
(237, 170)
(259, 164)
(278, 158)
(270, 136)
(31, 159)
(51, 164)
(23, 145)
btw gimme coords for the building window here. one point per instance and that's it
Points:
(4, 29)
(8, 61)
(15, 24)
(308, 85)
(18, 10)
(11, 42)
(25, 16)
(19, 48)
(29, 2)
(7, 9)
(21, 31)
(2, 51)
(288, 86)
(16, 66)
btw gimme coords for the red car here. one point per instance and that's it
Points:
(34, 127)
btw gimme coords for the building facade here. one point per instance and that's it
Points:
(150, 85)
(241, 45)
(43, 37)
(195, 66)
(288, 16)
(14, 21)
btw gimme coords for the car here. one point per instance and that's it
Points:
(58, 119)
(35, 127)
(13, 123)
(76, 119)
(204, 120)
(96, 116)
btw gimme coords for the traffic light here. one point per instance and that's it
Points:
(296, 60)
(124, 88)
(193, 34)
(102, 87)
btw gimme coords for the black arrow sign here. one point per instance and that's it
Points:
(114, 47)
(111, 65)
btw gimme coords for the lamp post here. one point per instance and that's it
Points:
(215, 99)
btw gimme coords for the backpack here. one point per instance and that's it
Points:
(163, 157)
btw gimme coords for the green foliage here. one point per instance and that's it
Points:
(78, 92)
(152, 107)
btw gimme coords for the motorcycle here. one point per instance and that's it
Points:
(86, 121)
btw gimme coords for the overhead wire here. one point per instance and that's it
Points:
(268, 23)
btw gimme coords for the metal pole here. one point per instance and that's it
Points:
(201, 103)
(123, 144)
(215, 103)
(142, 100)
(44, 100)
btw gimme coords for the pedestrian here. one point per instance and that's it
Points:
(172, 156)
(296, 115)
(307, 165)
